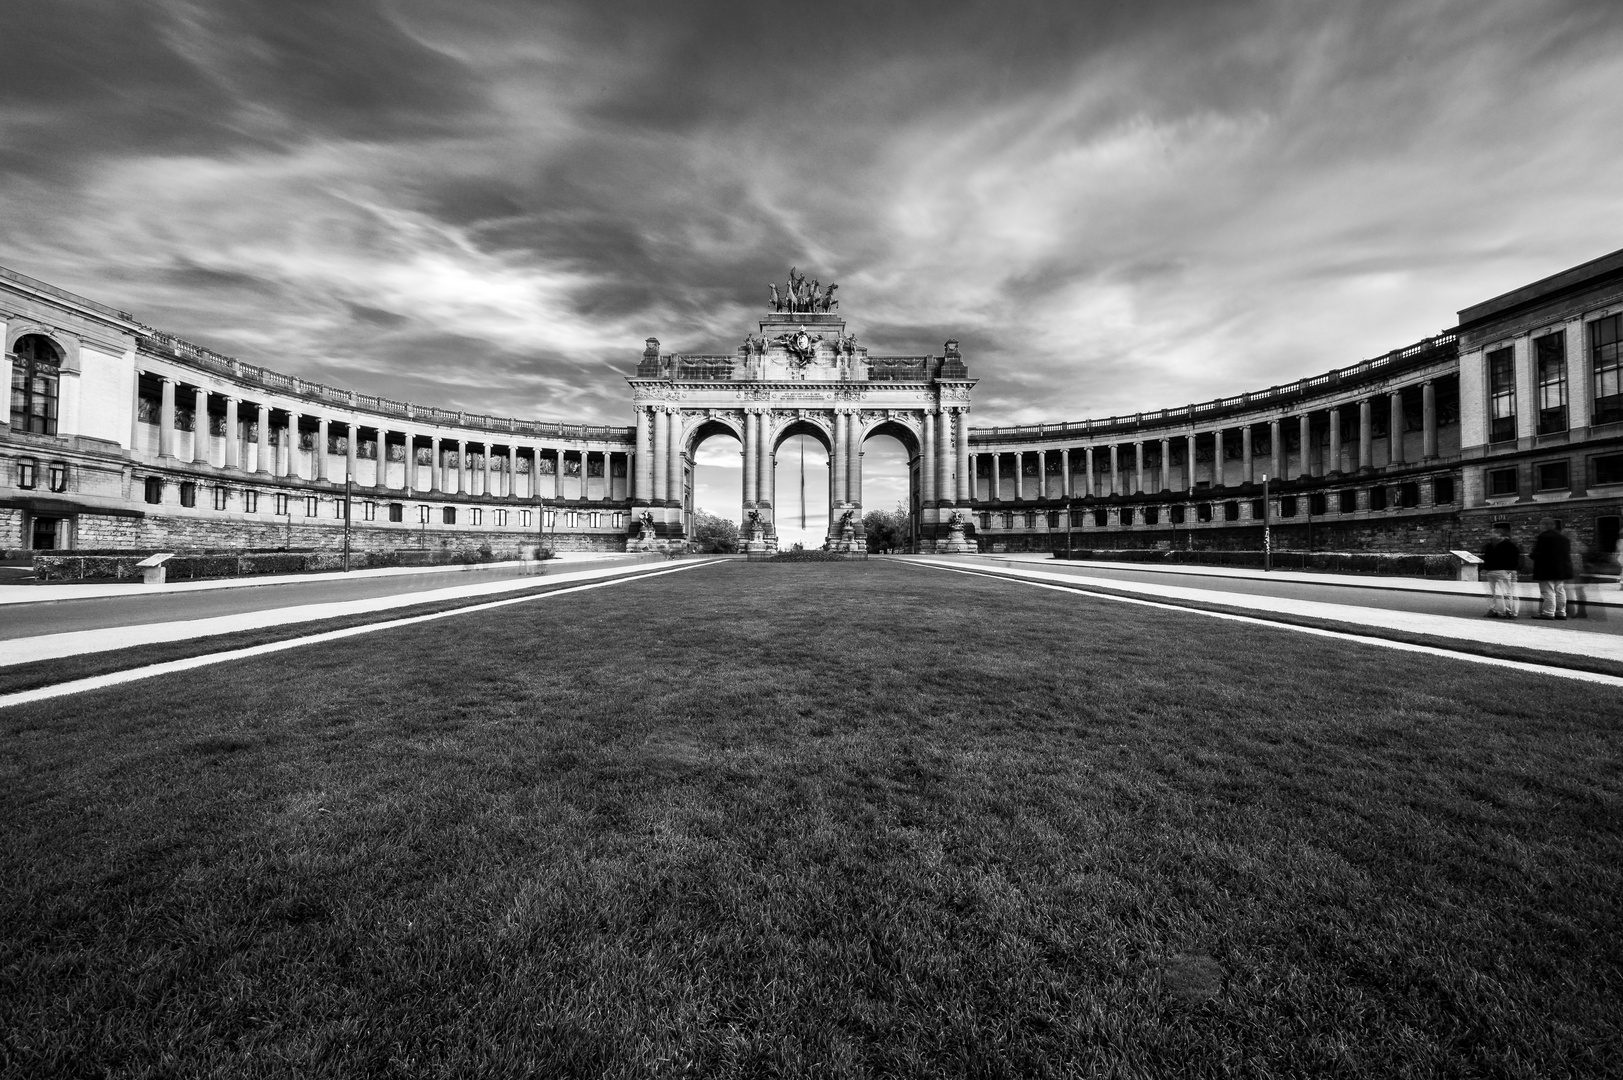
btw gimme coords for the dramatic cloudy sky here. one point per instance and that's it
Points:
(1115, 206)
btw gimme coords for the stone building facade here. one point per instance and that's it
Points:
(120, 436)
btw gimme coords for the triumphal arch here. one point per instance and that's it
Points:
(802, 372)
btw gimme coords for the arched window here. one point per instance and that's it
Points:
(34, 374)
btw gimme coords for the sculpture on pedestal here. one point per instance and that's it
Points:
(802, 296)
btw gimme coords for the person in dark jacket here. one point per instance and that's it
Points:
(1500, 561)
(1552, 566)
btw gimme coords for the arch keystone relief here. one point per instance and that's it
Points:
(802, 372)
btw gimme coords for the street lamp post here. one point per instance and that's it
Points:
(1267, 528)
(348, 491)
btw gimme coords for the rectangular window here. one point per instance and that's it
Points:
(423, 514)
(1101, 517)
(1606, 360)
(1349, 501)
(1409, 495)
(1259, 510)
(369, 510)
(154, 490)
(1008, 519)
(1127, 515)
(501, 518)
(1608, 468)
(474, 516)
(397, 512)
(551, 521)
(524, 519)
(1287, 506)
(1203, 511)
(338, 508)
(986, 521)
(188, 493)
(448, 515)
(1552, 476)
(1377, 498)
(597, 519)
(1177, 515)
(1030, 519)
(1442, 490)
(27, 472)
(312, 506)
(221, 495)
(250, 502)
(1152, 515)
(1231, 511)
(1318, 503)
(283, 504)
(1078, 518)
(1550, 358)
(619, 518)
(1502, 482)
(59, 477)
(1502, 395)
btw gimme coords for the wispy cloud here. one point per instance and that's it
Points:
(1113, 208)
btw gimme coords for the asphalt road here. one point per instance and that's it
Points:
(95, 613)
(1602, 620)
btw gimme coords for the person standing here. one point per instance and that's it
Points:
(1552, 566)
(1500, 561)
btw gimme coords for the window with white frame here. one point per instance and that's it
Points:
(423, 513)
(474, 516)
(59, 476)
(282, 504)
(221, 495)
(369, 510)
(524, 519)
(28, 473)
(250, 502)
(312, 506)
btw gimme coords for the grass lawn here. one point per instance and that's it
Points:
(861, 818)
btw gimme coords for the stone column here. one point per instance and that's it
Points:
(200, 426)
(763, 469)
(927, 465)
(1276, 448)
(1115, 468)
(1217, 459)
(943, 458)
(135, 403)
(643, 481)
(994, 484)
(1166, 464)
(1394, 430)
(1305, 422)
(1087, 472)
(1366, 437)
(853, 458)
(966, 492)
(1249, 467)
(409, 458)
(435, 480)
(558, 472)
(674, 450)
(1065, 485)
(290, 467)
(836, 465)
(660, 465)
(751, 457)
(1428, 445)
(263, 464)
(381, 479)
(462, 466)
(323, 470)
(166, 419)
(351, 449)
(487, 493)
(1138, 467)
(1189, 462)
(233, 448)
(1335, 441)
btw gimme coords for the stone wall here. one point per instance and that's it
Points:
(1417, 533)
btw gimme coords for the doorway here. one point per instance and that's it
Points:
(43, 535)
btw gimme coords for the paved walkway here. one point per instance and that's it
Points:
(28, 648)
(1523, 633)
(90, 590)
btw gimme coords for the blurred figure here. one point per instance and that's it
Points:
(1500, 560)
(1552, 566)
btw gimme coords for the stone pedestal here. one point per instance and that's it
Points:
(956, 544)
(756, 542)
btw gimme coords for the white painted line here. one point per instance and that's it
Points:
(1340, 635)
(1521, 634)
(23, 650)
(97, 682)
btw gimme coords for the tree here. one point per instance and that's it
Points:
(714, 535)
(886, 529)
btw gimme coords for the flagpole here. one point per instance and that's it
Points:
(802, 483)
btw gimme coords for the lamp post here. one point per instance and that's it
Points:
(1267, 529)
(348, 489)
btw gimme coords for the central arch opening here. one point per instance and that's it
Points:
(800, 476)
(887, 486)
